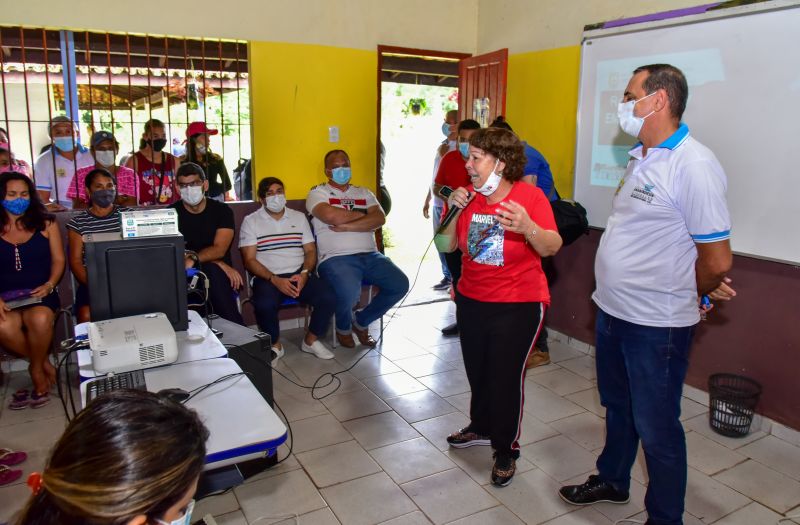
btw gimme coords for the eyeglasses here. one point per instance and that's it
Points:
(190, 185)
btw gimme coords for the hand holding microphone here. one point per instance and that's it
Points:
(457, 201)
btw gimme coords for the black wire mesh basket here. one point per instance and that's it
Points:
(732, 403)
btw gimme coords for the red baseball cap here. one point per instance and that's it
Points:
(196, 128)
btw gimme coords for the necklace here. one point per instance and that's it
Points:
(17, 259)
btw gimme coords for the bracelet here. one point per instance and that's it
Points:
(304, 270)
(528, 236)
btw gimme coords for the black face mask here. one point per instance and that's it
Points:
(157, 144)
(104, 198)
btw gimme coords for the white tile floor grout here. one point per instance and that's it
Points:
(374, 452)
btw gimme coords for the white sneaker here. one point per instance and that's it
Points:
(279, 351)
(318, 349)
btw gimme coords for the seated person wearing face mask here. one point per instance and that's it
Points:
(55, 168)
(345, 220)
(102, 216)
(278, 249)
(104, 148)
(207, 227)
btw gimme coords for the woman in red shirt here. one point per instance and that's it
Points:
(503, 230)
(155, 169)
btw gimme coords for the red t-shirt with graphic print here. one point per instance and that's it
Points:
(500, 266)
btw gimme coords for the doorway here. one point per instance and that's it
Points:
(415, 90)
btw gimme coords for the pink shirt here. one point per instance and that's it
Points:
(126, 183)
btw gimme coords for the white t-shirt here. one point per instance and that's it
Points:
(329, 242)
(667, 201)
(279, 242)
(58, 180)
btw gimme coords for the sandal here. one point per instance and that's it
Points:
(39, 400)
(9, 476)
(20, 400)
(9, 457)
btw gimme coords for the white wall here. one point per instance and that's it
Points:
(442, 25)
(533, 25)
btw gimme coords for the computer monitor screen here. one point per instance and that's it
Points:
(136, 276)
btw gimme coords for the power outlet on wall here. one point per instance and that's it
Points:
(333, 134)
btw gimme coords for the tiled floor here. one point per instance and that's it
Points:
(374, 451)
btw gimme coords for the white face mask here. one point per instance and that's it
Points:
(186, 519)
(630, 123)
(275, 203)
(201, 150)
(193, 195)
(492, 182)
(105, 157)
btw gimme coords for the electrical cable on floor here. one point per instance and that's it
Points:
(333, 376)
(269, 368)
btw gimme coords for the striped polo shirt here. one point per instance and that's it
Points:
(279, 243)
(86, 222)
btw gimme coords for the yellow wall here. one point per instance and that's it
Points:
(298, 91)
(542, 104)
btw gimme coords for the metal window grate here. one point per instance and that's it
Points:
(120, 81)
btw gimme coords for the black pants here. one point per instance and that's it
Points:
(220, 294)
(550, 274)
(496, 339)
(453, 260)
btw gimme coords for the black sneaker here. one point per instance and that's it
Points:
(444, 284)
(503, 470)
(594, 490)
(466, 438)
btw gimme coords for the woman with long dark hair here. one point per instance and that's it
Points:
(155, 169)
(198, 150)
(503, 230)
(31, 265)
(102, 216)
(131, 457)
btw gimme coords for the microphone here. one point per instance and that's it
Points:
(448, 218)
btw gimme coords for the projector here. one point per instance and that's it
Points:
(132, 343)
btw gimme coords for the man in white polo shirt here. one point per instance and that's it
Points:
(345, 220)
(665, 245)
(279, 252)
(55, 169)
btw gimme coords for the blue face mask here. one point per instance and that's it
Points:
(446, 129)
(65, 144)
(463, 147)
(341, 176)
(17, 206)
(186, 519)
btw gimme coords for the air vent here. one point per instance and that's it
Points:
(152, 354)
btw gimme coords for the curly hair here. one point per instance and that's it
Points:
(504, 145)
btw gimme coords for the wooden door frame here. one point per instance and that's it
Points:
(406, 51)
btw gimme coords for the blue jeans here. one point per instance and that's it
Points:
(316, 293)
(345, 273)
(640, 374)
(437, 220)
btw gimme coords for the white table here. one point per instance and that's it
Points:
(241, 424)
(195, 344)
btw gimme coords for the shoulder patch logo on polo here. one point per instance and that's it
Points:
(644, 193)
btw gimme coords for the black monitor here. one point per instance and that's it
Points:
(136, 276)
